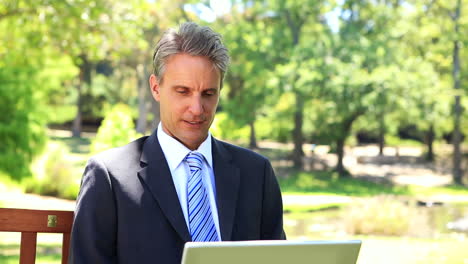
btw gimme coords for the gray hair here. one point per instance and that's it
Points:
(192, 39)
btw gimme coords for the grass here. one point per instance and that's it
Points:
(45, 254)
(76, 145)
(396, 141)
(304, 208)
(454, 190)
(375, 249)
(328, 182)
(323, 184)
(390, 250)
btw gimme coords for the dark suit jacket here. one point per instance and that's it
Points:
(128, 209)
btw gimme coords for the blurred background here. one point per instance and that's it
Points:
(359, 104)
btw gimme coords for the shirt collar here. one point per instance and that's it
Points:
(175, 152)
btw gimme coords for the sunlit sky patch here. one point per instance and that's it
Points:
(221, 7)
(218, 8)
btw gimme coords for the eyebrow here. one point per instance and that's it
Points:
(212, 89)
(186, 87)
(180, 86)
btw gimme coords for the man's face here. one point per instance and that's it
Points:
(188, 97)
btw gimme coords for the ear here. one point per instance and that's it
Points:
(155, 87)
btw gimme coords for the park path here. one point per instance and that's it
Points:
(17, 199)
(401, 166)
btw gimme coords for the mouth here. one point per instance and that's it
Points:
(194, 123)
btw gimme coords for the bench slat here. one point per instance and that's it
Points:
(24, 220)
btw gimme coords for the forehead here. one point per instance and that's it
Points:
(192, 69)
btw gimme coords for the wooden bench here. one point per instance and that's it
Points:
(31, 222)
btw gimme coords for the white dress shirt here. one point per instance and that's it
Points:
(175, 153)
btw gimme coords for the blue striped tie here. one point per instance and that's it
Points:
(201, 223)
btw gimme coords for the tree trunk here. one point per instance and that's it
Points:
(456, 138)
(340, 142)
(298, 138)
(85, 79)
(430, 136)
(295, 25)
(381, 134)
(253, 138)
(340, 152)
(76, 129)
(142, 99)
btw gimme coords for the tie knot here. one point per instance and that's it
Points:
(194, 160)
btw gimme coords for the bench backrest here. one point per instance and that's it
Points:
(31, 222)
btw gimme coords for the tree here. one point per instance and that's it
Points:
(300, 24)
(88, 32)
(41, 37)
(363, 73)
(27, 75)
(457, 170)
(250, 43)
(451, 26)
(427, 106)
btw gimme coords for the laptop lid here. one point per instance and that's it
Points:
(272, 252)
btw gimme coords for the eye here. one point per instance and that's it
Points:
(210, 92)
(182, 91)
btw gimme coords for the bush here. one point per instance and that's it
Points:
(22, 122)
(117, 129)
(227, 129)
(53, 174)
(8, 184)
(383, 215)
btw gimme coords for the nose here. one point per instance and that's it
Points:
(196, 105)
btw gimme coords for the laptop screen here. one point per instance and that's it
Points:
(272, 252)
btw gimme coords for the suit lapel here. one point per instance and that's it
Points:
(227, 179)
(157, 177)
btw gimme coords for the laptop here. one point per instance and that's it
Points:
(272, 252)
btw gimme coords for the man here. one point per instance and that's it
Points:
(142, 202)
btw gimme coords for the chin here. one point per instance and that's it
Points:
(195, 139)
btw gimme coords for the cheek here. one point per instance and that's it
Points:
(213, 106)
(176, 108)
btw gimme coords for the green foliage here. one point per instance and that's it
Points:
(398, 142)
(59, 114)
(56, 77)
(274, 126)
(377, 67)
(226, 128)
(31, 76)
(117, 129)
(53, 173)
(8, 184)
(22, 124)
